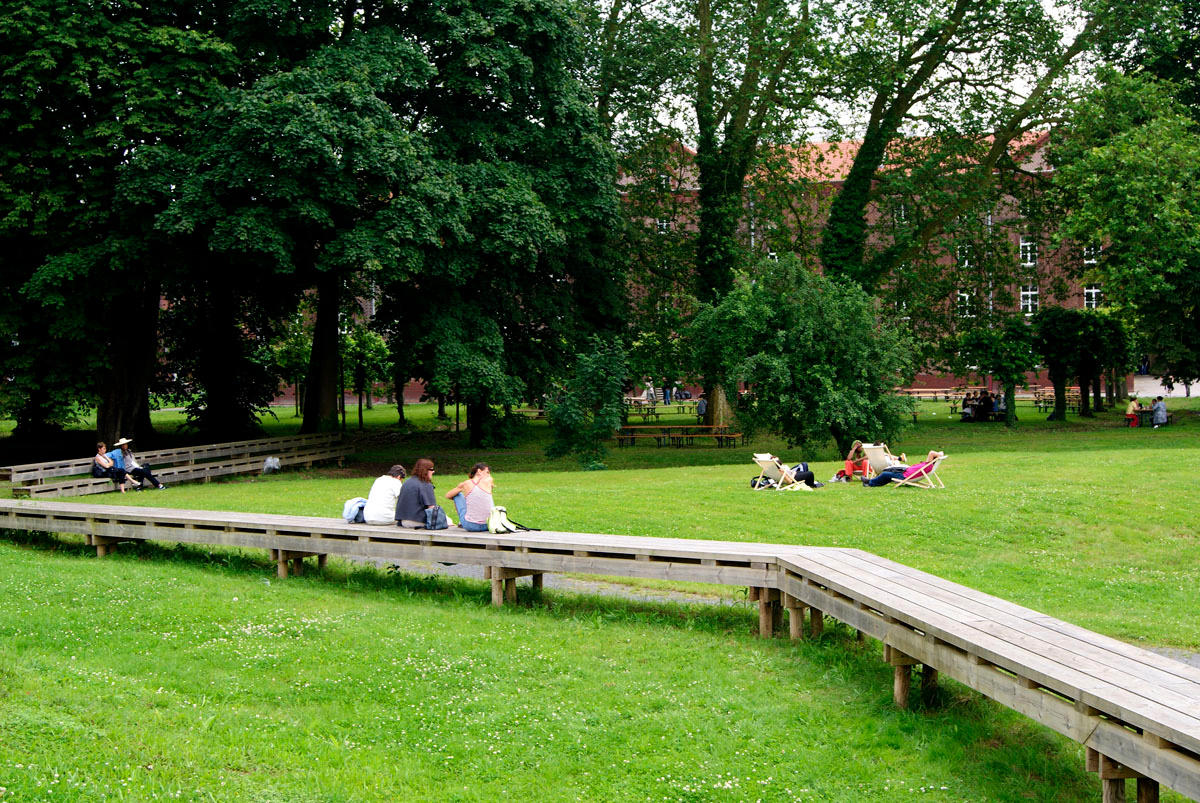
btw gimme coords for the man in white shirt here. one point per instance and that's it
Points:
(381, 501)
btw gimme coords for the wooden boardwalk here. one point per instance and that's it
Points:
(1138, 713)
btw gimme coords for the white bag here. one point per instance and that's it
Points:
(498, 521)
(270, 464)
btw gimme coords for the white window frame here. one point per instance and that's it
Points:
(1029, 253)
(965, 304)
(1093, 296)
(664, 225)
(1030, 301)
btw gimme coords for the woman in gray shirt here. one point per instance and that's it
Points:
(416, 496)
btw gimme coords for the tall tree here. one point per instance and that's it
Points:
(819, 362)
(953, 71)
(1128, 179)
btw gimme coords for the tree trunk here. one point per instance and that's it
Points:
(1085, 396)
(1098, 404)
(360, 411)
(123, 389)
(321, 390)
(477, 415)
(1010, 405)
(1058, 379)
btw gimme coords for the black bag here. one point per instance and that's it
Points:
(435, 518)
(99, 472)
(762, 482)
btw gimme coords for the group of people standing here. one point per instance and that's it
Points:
(120, 465)
(402, 500)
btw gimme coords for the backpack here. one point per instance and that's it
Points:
(499, 522)
(762, 482)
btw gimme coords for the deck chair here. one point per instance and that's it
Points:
(778, 473)
(927, 477)
(879, 457)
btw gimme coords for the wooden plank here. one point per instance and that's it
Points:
(1163, 669)
(939, 621)
(1142, 678)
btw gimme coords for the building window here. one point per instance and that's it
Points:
(664, 225)
(1093, 296)
(1029, 253)
(900, 214)
(965, 254)
(664, 182)
(1029, 298)
(771, 255)
(966, 304)
(1091, 254)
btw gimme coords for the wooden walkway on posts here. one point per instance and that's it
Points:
(183, 464)
(1137, 713)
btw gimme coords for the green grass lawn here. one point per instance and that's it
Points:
(192, 673)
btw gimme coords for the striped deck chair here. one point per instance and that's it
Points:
(925, 477)
(880, 458)
(778, 473)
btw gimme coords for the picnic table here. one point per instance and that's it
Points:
(676, 435)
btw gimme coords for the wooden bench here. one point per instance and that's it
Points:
(182, 464)
(1137, 713)
(681, 435)
(530, 412)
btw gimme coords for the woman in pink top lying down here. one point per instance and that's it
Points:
(897, 473)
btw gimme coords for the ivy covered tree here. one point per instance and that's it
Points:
(1060, 337)
(819, 361)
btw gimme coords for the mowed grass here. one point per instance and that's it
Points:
(192, 673)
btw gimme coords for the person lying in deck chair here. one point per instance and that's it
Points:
(880, 458)
(921, 475)
(776, 475)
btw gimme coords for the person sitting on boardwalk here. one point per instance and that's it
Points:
(381, 499)
(416, 496)
(1160, 412)
(103, 465)
(473, 498)
(901, 472)
(133, 468)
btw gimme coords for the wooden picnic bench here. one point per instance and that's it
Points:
(676, 435)
(1136, 712)
(181, 464)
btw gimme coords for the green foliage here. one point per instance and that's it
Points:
(1128, 176)
(818, 360)
(1005, 353)
(591, 405)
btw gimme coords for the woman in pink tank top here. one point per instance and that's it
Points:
(473, 498)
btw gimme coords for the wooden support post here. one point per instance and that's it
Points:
(902, 674)
(816, 622)
(537, 580)
(101, 549)
(901, 685)
(769, 613)
(497, 589)
(281, 566)
(929, 679)
(1147, 790)
(1113, 790)
(510, 589)
(322, 559)
(795, 609)
(298, 565)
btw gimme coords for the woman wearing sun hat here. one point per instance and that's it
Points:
(125, 458)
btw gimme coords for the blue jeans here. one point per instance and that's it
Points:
(886, 476)
(460, 504)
